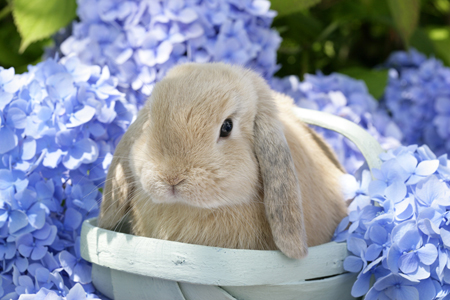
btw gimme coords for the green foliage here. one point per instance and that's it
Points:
(284, 7)
(36, 20)
(375, 80)
(405, 14)
(440, 38)
(354, 36)
(39, 19)
(348, 36)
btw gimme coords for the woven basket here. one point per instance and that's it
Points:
(133, 267)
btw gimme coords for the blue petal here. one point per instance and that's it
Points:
(411, 240)
(377, 188)
(83, 152)
(427, 254)
(373, 252)
(50, 262)
(6, 179)
(403, 293)
(17, 220)
(38, 252)
(21, 263)
(76, 293)
(62, 84)
(373, 294)
(427, 167)
(407, 162)
(8, 138)
(82, 116)
(16, 118)
(393, 256)
(43, 232)
(445, 235)
(82, 272)
(399, 231)
(42, 274)
(147, 57)
(353, 264)
(378, 234)
(25, 250)
(52, 159)
(5, 98)
(26, 282)
(187, 15)
(26, 198)
(427, 290)
(36, 216)
(163, 52)
(67, 261)
(392, 280)
(422, 272)
(29, 148)
(408, 262)
(356, 245)
(72, 219)
(396, 191)
(50, 239)
(361, 285)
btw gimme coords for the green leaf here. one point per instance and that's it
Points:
(39, 19)
(422, 42)
(284, 7)
(406, 17)
(375, 80)
(440, 37)
(9, 48)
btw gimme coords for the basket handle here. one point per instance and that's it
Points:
(367, 144)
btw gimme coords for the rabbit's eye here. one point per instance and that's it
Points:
(227, 126)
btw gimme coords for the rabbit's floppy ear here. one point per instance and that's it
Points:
(282, 196)
(120, 182)
(117, 191)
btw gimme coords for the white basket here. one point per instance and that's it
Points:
(133, 267)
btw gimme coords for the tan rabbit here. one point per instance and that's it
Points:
(216, 158)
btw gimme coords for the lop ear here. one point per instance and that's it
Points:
(117, 191)
(282, 196)
(120, 182)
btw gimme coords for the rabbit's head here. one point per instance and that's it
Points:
(211, 138)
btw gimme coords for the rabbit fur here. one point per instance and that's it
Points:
(272, 184)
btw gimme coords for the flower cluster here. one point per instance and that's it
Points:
(140, 40)
(59, 125)
(419, 89)
(345, 97)
(398, 227)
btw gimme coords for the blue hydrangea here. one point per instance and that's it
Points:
(398, 228)
(59, 125)
(140, 40)
(345, 97)
(419, 89)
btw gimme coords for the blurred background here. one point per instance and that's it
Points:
(353, 37)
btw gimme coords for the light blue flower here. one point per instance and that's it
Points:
(139, 41)
(405, 242)
(418, 89)
(394, 286)
(345, 97)
(63, 116)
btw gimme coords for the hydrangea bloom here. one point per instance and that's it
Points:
(59, 125)
(399, 232)
(140, 40)
(419, 89)
(348, 98)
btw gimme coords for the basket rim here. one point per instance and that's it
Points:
(200, 264)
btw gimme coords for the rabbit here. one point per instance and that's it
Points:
(216, 158)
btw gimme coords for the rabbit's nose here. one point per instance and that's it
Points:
(175, 180)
